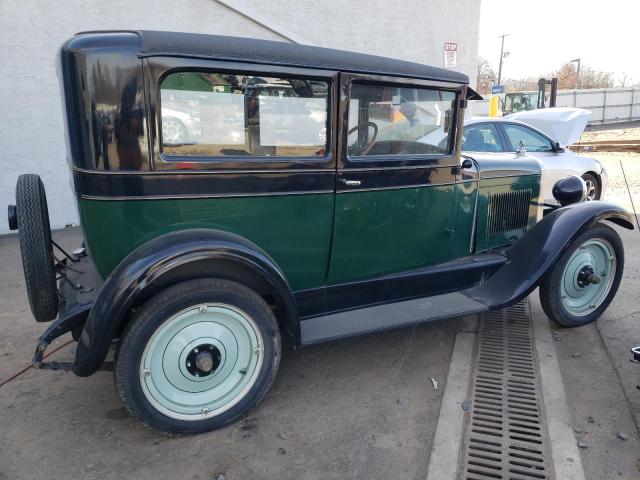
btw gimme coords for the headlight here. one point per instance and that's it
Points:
(570, 190)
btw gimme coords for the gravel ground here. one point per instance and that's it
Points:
(617, 191)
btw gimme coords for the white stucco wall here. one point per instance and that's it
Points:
(31, 132)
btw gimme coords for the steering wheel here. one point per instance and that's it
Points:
(368, 146)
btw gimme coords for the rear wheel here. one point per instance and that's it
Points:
(197, 356)
(581, 285)
(36, 248)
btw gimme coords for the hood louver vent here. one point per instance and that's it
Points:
(507, 211)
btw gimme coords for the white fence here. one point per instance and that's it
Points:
(607, 105)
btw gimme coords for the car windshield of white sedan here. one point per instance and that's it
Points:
(398, 120)
(222, 114)
(531, 141)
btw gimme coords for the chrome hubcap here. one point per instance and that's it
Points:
(588, 277)
(201, 362)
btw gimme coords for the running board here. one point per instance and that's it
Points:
(388, 316)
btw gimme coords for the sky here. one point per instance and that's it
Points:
(544, 34)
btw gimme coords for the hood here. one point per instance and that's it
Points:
(562, 124)
(496, 165)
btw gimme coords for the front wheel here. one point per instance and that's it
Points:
(581, 285)
(197, 356)
(593, 187)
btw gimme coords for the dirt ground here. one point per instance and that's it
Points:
(624, 131)
(615, 164)
(618, 165)
(362, 408)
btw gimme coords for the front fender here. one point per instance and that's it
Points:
(167, 260)
(540, 248)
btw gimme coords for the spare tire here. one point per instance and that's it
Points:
(36, 247)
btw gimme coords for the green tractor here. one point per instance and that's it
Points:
(522, 101)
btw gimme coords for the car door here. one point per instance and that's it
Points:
(395, 204)
(259, 162)
(555, 164)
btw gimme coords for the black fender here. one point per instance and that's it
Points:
(540, 248)
(169, 259)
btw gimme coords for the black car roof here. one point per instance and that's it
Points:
(158, 43)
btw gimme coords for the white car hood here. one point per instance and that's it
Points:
(562, 124)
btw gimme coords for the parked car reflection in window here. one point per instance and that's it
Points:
(216, 114)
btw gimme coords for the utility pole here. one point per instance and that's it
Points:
(501, 57)
(577, 60)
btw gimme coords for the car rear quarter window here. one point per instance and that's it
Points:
(532, 141)
(396, 120)
(207, 114)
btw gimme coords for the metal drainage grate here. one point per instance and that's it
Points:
(506, 436)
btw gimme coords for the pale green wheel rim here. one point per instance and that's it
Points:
(171, 382)
(599, 255)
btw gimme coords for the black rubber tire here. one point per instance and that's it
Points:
(36, 248)
(588, 177)
(151, 316)
(550, 296)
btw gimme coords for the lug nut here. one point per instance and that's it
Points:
(203, 309)
(146, 372)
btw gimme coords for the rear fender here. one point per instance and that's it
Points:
(540, 248)
(170, 259)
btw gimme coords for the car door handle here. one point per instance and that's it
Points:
(350, 183)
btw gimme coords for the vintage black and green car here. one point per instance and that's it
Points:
(235, 191)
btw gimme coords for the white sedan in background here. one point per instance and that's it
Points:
(516, 136)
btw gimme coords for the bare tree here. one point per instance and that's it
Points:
(486, 76)
(624, 79)
(589, 78)
(566, 76)
(521, 85)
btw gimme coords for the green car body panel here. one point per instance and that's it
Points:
(387, 231)
(295, 230)
(514, 222)
(404, 228)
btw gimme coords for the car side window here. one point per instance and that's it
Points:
(533, 141)
(225, 114)
(394, 120)
(481, 138)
